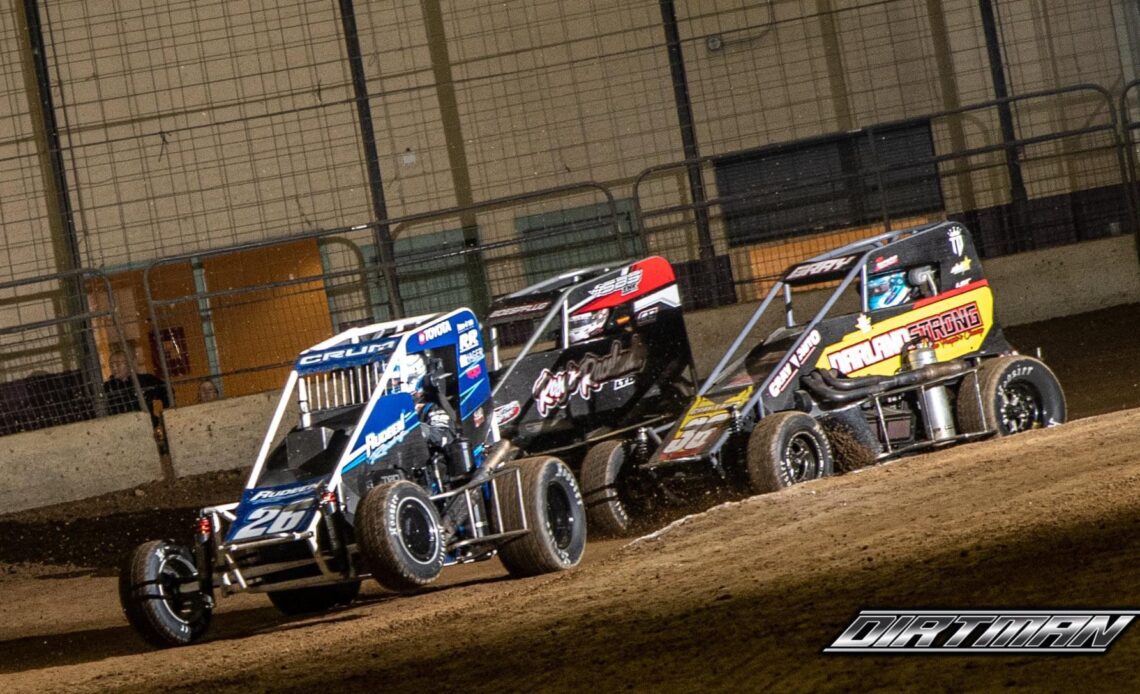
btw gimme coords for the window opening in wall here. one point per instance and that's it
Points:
(839, 181)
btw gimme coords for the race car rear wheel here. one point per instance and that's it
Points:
(608, 500)
(398, 530)
(314, 598)
(554, 513)
(161, 596)
(1011, 394)
(787, 448)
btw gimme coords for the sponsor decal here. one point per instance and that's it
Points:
(626, 283)
(552, 390)
(882, 263)
(961, 283)
(468, 340)
(465, 325)
(820, 267)
(474, 371)
(361, 350)
(379, 443)
(943, 328)
(863, 323)
(793, 363)
(478, 417)
(279, 493)
(626, 382)
(506, 413)
(508, 311)
(433, 331)
(961, 267)
(884, 632)
(648, 315)
(468, 358)
(957, 241)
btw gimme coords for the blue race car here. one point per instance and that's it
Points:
(394, 470)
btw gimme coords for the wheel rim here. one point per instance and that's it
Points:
(801, 459)
(1020, 407)
(418, 533)
(174, 572)
(559, 516)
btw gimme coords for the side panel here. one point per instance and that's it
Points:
(625, 373)
(956, 322)
(702, 428)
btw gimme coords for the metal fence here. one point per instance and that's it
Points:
(1062, 178)
(764, 209)
(56, 362)
(239, 329)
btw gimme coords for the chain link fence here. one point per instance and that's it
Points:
(52, 367)
(237, 317)
(1062, 179)
(253, 178)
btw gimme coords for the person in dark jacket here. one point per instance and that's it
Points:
(121, 392)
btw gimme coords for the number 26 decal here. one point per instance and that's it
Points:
(271, 520)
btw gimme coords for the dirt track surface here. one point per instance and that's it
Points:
(741, 597)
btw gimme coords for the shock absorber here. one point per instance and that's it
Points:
(935, 399)
(641, 450)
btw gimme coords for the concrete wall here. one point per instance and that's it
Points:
(222, 435)
(77, 461)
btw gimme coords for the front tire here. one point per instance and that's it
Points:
(161, 596)
(312, 599)
(554, 512)
(608, 504)
(1011, 394)
(787, 448)
(398, 529)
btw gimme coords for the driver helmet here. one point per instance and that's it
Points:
(885, 291)
(410, 377)
(586, 326)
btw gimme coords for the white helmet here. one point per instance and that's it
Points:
(410, 377)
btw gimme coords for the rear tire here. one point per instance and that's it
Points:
(1017, 393)
(314, 598)
(398, 529)
(160, 594)
(555, 513)
(608, 504)
(787, 448)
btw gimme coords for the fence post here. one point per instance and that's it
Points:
(60, 215)
(385, 250)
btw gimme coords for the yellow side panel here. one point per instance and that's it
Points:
(956, 326)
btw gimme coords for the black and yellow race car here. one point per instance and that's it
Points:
(903, 353)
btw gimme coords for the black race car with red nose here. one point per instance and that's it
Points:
(904, 352)
(589, 361)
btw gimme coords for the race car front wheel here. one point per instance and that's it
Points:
(161, 595)
(398, 529)
(608, 501)
(555, 515)
(314, 598)
(1011, 394)
(787, 448)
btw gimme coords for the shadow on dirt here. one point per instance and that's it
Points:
(97, 543)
